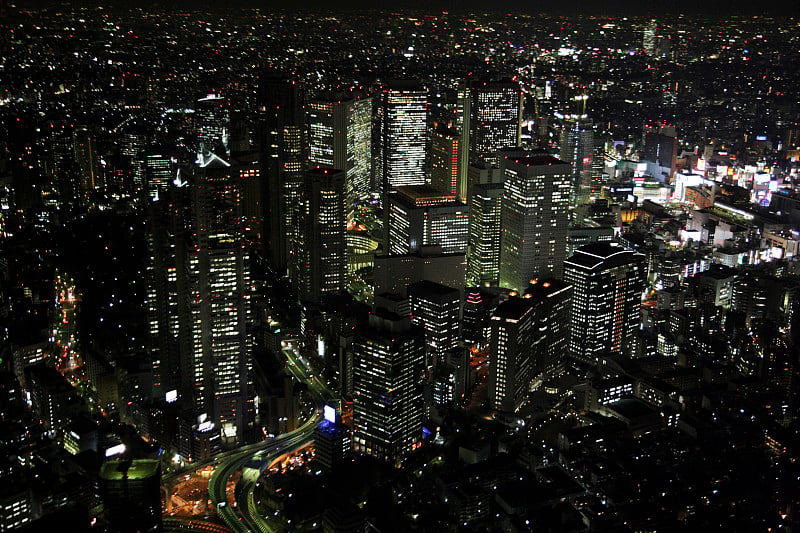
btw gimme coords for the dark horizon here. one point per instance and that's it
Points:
(716, 9)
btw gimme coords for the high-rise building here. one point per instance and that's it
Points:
(495, 122)
(577, 148)
(213, 122)
(608, 281)
(340, 136)
(447, 173)
(220, 280)
(554, 300)
(514, 342)
(534, 219)
(131, 494)
(388, 356)
(323, 259)
(483, 251)
(436, 308)
(197, 297)
(422, 216)
(158, 173)
(528, 336)
(401, 135)
(284, 162)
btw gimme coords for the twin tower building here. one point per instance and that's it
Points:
(454, 187)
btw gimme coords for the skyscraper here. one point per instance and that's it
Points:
(401, 136)
(198, 310)
(388, 356)
(483, 251)
(496, 110)
(323, 259)
(284, 161)
(534, 219)
(608, 281)
(220, 279)
(340, 136)
(436, 308)
(528, 336)
(577, 148)
(514, 341)
(447, 172)
(422, 216)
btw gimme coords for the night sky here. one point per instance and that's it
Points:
(729, 8)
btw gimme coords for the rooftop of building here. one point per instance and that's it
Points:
(539, 289)
(537, 160)
(424, 195)
(431, 287)
(602, 255)
(131, 468)
(512, 309)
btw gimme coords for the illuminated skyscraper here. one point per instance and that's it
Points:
(577, 148)
(422, 216)
(447, 173)
(534, 219)
(608, 281)
(323, 260)
(197, 297)
(528, 336)
(496, 110)
(401, 136)
(436, 308)
(213, 122)
(220, 272)
(158, 173)
(340, 136)
(388, 356)
(284, 162)
(483, 254)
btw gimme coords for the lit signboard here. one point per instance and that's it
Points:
(329, 413)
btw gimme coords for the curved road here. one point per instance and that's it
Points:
(243, 517)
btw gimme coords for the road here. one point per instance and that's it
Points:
(243, 516)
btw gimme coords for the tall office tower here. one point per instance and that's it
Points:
(212, 120)
(323, 260)
(422, 216)
(284, 163)
(446, 173)
(608, 281)
(495, 122)
(554, 300)
(402, 113)
(168, 293)
(514, 342)
(388, 356)
(88, 161)
(158, 173)
(220, 278)
(133, 146)
(131, 493)
(483, 251)
(436, 308)
(198, 282)
(463, 125)
(650, 37)
(534, 219)
(252, 200)
(577, 148)
(340, 136)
